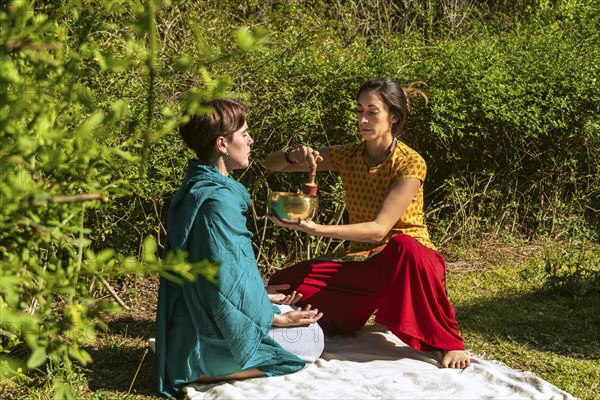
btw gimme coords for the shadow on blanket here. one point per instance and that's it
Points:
(372, 347)
(370, 344)
(374, 364)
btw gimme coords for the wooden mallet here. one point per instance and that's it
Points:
(310, 187)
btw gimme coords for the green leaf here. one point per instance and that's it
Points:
(41, 199)
(83, 242)
(85, 95)
(150, 249)
(184, 62)
(9, 72)
(125, 155)
(244, 39)
(37, 358)
(90, 124)
(204, 48)
(118, 110)
(80, 355)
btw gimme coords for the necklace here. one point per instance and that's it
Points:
(369, 162)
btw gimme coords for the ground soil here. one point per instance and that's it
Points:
(123, 347)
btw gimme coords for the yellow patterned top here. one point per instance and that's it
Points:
(366, 187)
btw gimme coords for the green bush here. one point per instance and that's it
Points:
(515, 127)
(68, 150)
(570, 268)
(510, 134)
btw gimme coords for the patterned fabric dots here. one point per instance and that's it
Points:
(366, 187)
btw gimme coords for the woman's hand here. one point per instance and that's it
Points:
(306, 226)
(299, 317)
(281, 298)
(304, 156)
(298, 159)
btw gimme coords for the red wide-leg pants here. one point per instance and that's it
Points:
(403, 282)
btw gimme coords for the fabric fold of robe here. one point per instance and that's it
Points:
(208, 329)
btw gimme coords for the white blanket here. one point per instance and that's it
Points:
(375, 364)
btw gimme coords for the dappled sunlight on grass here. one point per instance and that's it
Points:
(562, 325)
(504, 316)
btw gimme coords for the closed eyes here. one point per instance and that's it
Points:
(373, 112)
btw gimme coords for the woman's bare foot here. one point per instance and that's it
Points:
(455, 359)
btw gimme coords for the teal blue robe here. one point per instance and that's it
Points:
(208, 329)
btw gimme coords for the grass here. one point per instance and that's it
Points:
(494, 288)
(504, 316)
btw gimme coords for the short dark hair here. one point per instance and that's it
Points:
(202, 130)
(395, 97)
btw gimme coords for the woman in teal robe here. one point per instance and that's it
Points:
(218, 331)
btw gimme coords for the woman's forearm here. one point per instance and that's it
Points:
(277, 162)
(393, 206)
(298, 159)
(371, 232)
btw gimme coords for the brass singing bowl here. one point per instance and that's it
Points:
(292, 207)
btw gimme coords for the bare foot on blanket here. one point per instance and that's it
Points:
(455, 359)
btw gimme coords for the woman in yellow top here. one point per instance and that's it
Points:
(401, 276)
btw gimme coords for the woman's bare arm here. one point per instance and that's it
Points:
(302, 158)
(393, 206)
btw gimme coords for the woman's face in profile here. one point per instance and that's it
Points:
(238, 148)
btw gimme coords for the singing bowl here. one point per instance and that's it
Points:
(291, 207)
